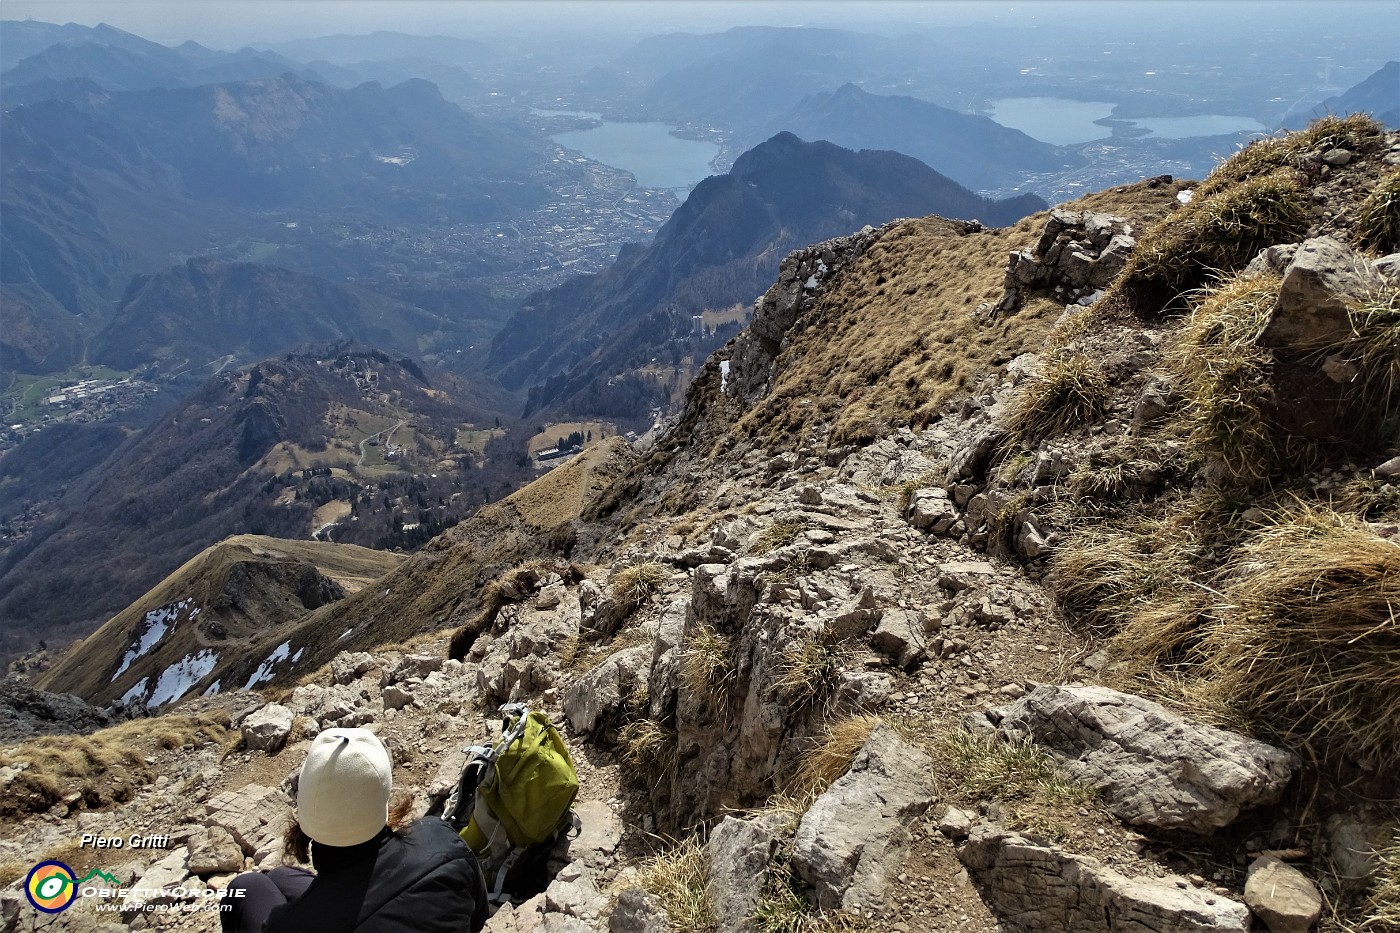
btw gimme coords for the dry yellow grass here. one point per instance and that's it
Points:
(1382, 910)
(1374, 348)
(1226, 375)
(707, 663)
(1216, 234)
(1356, 132)
(103, 768)
(807, 671)
(552, 432)
(895, 336)
(1378, 225)
(1069, 390)
(633, 586)
(1306, 637)
(831, 754)
(678, 878)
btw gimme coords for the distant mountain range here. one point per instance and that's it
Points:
(115, 60)
(974, 150)
(1378, 95)
(105, 185)
(719, 248)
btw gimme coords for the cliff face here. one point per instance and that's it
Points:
(944, 584)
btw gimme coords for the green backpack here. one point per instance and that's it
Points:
(514, 801)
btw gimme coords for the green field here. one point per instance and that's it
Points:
(24, 399)
(476, 441)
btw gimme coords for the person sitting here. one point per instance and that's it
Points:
(373, 873)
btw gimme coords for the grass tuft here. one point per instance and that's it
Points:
(632, 586)
(778, 535)
(784, 908)
(807, 671)
(707, 662)
(1226, 378)
(1219, 232)
(678, 878)
(648, 747)
(1307, 637)
(1373, 346)
(1104, 572)
(990, 768)
(1378, 223)
(1068, 391)
(831, 755)
(1357, 132)
(1382, 911)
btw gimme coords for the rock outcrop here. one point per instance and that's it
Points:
(1078, 254)
(1034, 888)
(851, 841)
(1153, 767)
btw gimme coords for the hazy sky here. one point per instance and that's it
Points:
(232, 23)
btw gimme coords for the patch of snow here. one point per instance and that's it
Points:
(723, 375)
(137, 692)
(1185, 196)
(345, 634)
(152, 629)
(297, 657)
(179, 677)
(264, 671)
(811, 282)
(212, 689)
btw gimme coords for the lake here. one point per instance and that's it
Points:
(647, 150)
(1062, 122)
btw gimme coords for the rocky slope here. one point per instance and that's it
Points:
(930, 611)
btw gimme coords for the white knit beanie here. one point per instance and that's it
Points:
(343, 790)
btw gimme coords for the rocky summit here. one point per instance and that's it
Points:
(1033, 578)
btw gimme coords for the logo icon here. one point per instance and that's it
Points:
(51, 887)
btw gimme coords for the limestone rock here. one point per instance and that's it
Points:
(1035, 888)
(1323, 279)
(1272, 261)
(596, 844)
(1154, 767)
(738, 854)
(637, 911)
(956, 824)
(397, 696)
(1352, 844)
(159, 882)
(267, 729)
(929, 510)
(900, 635)
(349, 666)
(971, 460)
(214, 851)
(524, 661)
(854, 836)
(25, 711)
(256, 816)
(600, 693)
(415, 667)
(1281, 896)
(863, 689)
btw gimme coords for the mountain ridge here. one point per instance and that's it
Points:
(715, 251)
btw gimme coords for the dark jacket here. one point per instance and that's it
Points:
(421, 879)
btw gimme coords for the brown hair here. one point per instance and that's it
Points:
(296, 844)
